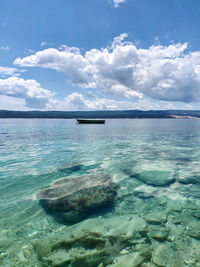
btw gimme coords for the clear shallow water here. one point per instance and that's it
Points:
(33, 153)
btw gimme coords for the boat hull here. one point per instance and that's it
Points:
(90, 121)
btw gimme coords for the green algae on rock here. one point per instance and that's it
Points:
(76, 198)
(94, 241)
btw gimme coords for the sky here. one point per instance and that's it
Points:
(99, 54)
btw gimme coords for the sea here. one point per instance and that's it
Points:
(155, 216)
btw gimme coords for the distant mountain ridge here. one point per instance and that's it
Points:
(101, 114)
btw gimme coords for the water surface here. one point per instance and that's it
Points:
(134, 152)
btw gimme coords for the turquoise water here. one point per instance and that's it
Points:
(139, 154)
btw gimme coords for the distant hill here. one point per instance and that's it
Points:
(101, 114)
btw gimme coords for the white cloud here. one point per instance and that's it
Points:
(6, 71)
(90, 94)
(188, 106)
(77, 101)
(166, 73)
(29, 90)
(12, 103)
(5, 48)
(116, 3)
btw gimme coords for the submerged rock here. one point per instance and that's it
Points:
(156, 217)
(193, 179)
(188, 174)
(194, 230)
(134, 259)
(145, 191)
(5, 240)
(196, 214)
(166, 256)
(156, 178)
(76, 198)
(95, 242)
(194, 191)
(159, 233)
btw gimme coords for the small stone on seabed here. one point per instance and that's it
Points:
(133, 259)
(159, 233)
(165, 255)
(156, 217)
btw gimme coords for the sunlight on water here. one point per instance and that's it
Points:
(154, 217)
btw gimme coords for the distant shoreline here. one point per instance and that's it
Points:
(104, 114)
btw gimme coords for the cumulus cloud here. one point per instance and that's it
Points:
(77, 101)
(116, 3)
(166, 73)
(29, 90)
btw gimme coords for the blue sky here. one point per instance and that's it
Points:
(99, 54)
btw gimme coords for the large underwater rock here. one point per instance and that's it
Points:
(76, 198)
(96, 242)
(156, 178)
